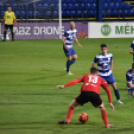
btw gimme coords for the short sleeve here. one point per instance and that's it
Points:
(65, 35)
(132, 45)
(95, 60)
(129, 79)
(111, 58)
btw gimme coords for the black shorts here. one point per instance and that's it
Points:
(9, 26)
(88, 96)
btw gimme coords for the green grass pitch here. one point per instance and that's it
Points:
(29, 101)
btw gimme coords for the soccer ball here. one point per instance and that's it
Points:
(83, 117)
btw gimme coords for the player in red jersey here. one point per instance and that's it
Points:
(90, 91)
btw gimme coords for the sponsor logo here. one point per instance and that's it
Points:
(105, 30)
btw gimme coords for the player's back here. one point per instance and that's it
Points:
(92, 83)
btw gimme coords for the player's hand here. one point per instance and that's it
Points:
(60, 86)
(112, 106)
(80, 46)
(67, 48)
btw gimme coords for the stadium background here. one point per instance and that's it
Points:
(30, 69)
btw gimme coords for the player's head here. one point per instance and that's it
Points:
(104, 48)
(9, 8)
(94, 70)
(72, 25)
(132, 67)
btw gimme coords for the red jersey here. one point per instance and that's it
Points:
(92, 83)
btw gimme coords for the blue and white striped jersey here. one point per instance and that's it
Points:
(132, 47)
(103, 63)
(69, 37)
(129, 77)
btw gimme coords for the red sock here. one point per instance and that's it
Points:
(104, 117)
(69, 113)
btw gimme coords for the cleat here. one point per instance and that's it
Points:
(69, 73)
(109, 126)
(119, 102)
(65, 69)
(63, 122)
(3, 40)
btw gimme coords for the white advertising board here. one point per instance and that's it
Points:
(111, 30)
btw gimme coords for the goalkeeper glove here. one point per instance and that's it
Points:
(15, 23)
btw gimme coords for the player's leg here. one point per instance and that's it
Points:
(72, 105)
(116, 92)
(70, 59)
(11, 28)
(104, 116)
(80, 100)
(111, 80)
(5, 31)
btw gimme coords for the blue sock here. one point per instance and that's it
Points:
(69, 63)
(117, 94)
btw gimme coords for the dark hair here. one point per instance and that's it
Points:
(93, 70)
(104, 45)
(133, 65)
(8, 6)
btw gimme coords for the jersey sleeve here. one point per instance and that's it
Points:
(80, 79)
(104, 85)
(132, 45)
(65, 35)
(111, 58)
(95, 60)
(14, 17)
(128, 78)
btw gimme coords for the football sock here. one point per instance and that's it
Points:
(12, 35)
(69, 113)
(104, 117)
(117, 94)
(69, 63)
(5, 35)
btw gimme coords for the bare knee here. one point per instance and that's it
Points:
(102, 107)
(133, 94)
(114, 86)
(69, 58)
(75, 57)
(74, 103)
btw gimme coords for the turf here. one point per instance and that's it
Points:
(29, 101)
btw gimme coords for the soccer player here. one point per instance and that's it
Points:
(130, 80)
(131, 50)
(104, 61)
(90, 91)
(9, 19)
(68, 38)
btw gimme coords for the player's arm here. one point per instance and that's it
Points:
(106, 88)
(76, 40)
(63, 40)
(131, 51)
(94, 62)
(15, 21)
(130, 84)
(111, 65)
(70, 83)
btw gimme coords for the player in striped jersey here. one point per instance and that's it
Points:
(68, 38)
(131, 50)
(104, 61)
(130, 80)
